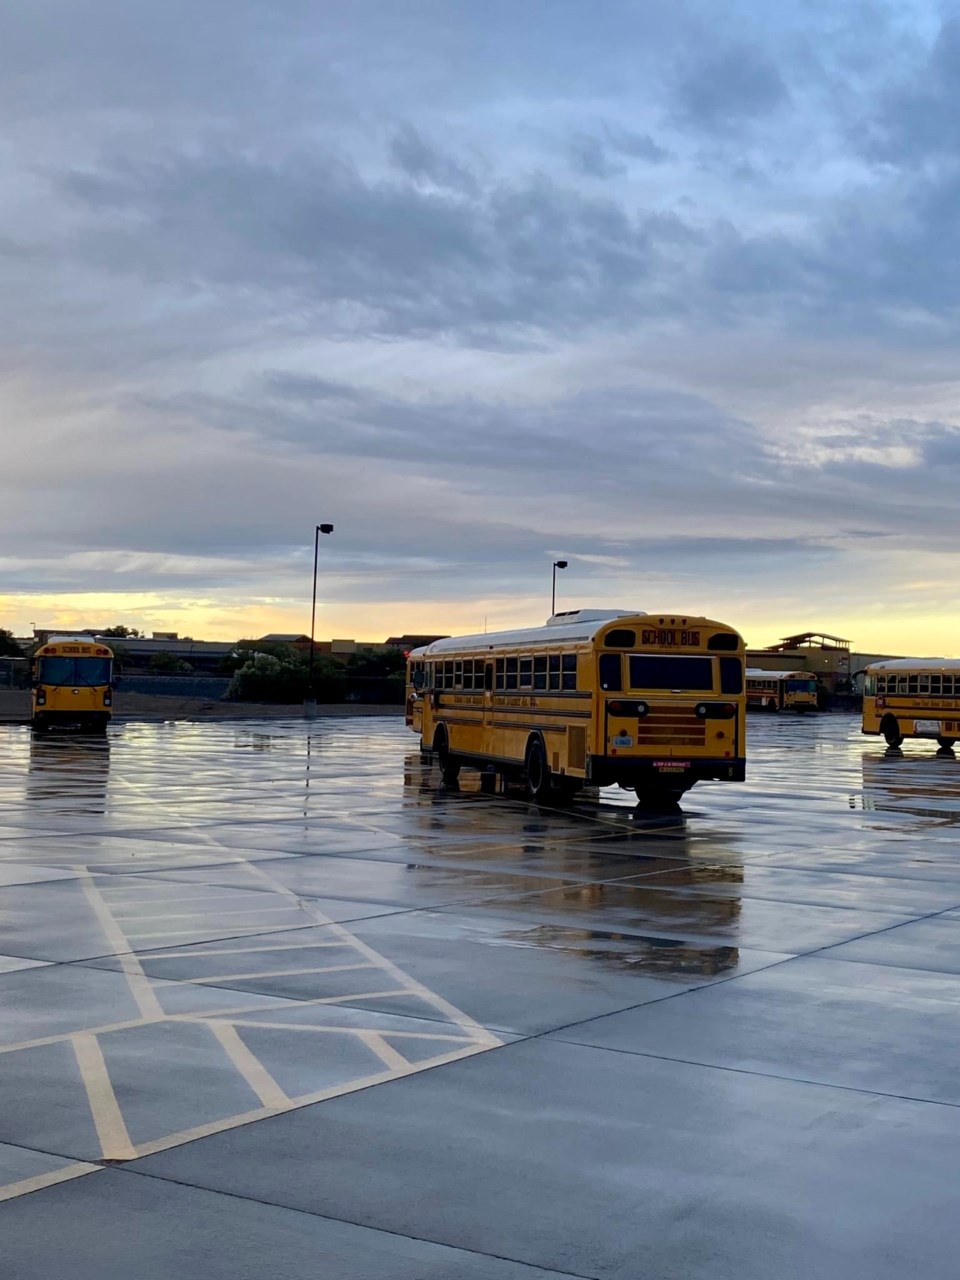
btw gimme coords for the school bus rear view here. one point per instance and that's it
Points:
(650, 702)
(72, 684)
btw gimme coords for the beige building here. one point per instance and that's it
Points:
(830, 658)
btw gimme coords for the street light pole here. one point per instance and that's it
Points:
(557, 564)
(320, 528)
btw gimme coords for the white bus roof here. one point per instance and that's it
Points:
(562, 628)
(916, 664)
(84, 639)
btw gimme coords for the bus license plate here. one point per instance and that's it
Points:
(672, 766)
(928, 726)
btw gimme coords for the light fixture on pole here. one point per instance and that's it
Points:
(557, 564)
(320, 528)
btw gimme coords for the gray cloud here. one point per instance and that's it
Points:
(313, 228)
(259, 266)
(918, 117)
(727, 88)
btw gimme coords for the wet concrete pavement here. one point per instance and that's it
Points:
(273, 1002)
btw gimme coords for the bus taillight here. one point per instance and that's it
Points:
(716, 710)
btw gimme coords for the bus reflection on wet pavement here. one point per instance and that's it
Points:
(466, 1035)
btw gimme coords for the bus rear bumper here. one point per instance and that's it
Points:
(95, 721)
(607, 771)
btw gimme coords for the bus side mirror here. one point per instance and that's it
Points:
(417, 680)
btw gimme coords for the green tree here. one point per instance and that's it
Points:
(246, 650)
(8, 646)
(264, 677)
(377, 662)
(169, 664)
(122, 632)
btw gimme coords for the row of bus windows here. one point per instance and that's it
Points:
(771, 686)
(545, 672)
(925, 685)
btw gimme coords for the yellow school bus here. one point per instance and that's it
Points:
(72, 683)
(913, 698)
(781, 690)
(651, 702)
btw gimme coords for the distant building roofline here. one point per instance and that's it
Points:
(809, 640)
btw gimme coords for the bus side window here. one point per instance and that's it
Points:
(569, 667)
(488, 676)
(731, 675)
(554, 670)
(540, 672)
(500, 668)
(611, 672)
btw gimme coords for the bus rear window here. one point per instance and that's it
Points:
(731, 675)
(671, 673)
(611, 679)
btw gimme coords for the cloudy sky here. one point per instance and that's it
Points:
(666, 288)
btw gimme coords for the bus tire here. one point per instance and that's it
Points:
(566, 790)
(890, 728)
(946, 744)
(658, 797)
(449, 765)
(537, 773)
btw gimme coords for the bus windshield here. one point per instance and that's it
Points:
(801, 686)
(78, 672)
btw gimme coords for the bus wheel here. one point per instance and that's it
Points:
(890, 728)
(449, 766)
(565, 791)
(658, 797)
(538, 773)
(946, 744)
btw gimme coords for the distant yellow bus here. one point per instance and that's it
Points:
(653, 703)
(72, 683)
(913, 698)
(781, 690)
